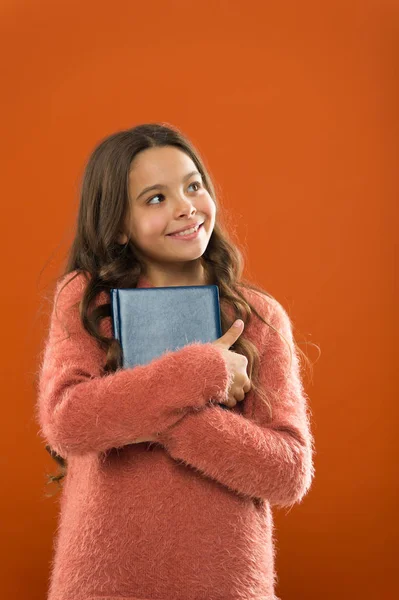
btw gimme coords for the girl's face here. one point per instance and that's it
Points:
(177, 200)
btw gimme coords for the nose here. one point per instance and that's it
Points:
(184, 205)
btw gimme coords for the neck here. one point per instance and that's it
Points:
(162, 277)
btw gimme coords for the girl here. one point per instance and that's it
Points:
(166, 495)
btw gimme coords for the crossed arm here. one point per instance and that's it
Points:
(80, 411)
(254, 456)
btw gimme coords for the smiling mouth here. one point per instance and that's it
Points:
(182, 234)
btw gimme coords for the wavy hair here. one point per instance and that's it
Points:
(103, 209)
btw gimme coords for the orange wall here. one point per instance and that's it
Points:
(294, 106)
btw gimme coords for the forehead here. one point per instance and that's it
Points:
(164, 165)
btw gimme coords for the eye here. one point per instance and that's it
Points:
(157, 196)
(162, 196)
(195, 183)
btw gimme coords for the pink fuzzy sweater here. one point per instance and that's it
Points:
(187, 517)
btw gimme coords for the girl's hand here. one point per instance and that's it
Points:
(236, 364)
(145, 438)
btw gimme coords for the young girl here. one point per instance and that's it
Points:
(166, 494)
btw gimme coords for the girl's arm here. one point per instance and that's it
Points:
(271, 460)
(79, 409)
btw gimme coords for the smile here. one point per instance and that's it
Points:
(189, 234)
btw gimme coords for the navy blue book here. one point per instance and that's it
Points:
(149, 322)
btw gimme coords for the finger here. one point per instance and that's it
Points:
(240, 395)
(247, 386)
(231, 336)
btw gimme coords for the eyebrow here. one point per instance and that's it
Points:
(160, 185)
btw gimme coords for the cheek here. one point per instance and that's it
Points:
(205, 204)
(153, 225)
(208, 208)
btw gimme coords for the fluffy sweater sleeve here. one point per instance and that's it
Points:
(80, 409)
(269, 459)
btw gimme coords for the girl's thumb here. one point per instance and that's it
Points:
(238, 323)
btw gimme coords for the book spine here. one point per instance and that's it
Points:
(115, 314)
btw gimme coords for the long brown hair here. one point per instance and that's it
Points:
(103, 210)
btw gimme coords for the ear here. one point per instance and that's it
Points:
(122, 238)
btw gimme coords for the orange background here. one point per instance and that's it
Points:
(294, 107)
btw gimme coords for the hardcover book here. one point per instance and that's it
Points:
(149, 322)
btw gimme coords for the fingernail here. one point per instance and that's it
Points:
(238, 322)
